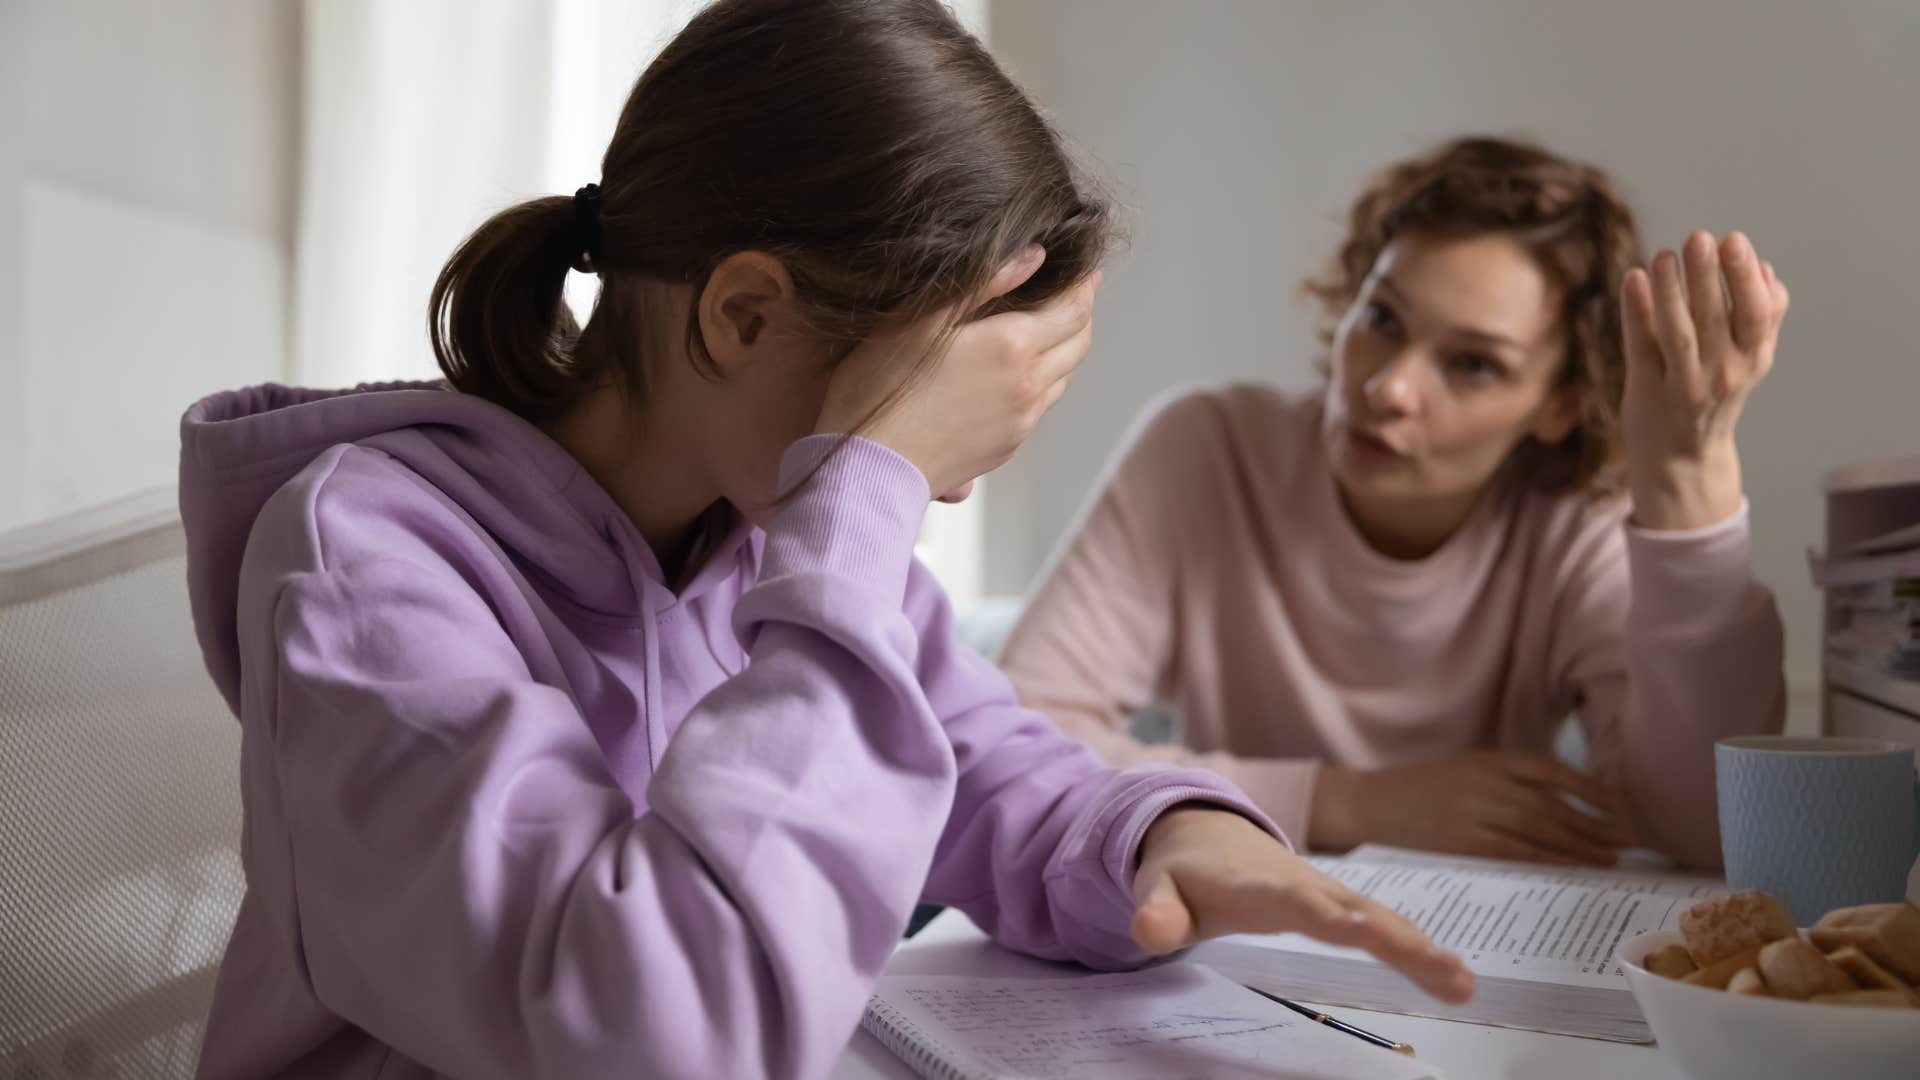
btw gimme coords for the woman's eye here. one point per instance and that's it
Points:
(1474, 366)
(1378, 316)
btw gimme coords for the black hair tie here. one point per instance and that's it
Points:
(586, 229)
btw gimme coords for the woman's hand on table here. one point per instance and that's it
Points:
(1491, 803)
(1206, 871)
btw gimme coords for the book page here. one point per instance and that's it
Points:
(1516, 921)
(1163, 1023)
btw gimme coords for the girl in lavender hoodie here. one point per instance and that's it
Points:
(597, 718)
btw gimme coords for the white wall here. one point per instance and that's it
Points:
(13, 95)
(1238, 130)
(426, 117)
(147, 160)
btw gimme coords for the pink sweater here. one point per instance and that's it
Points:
(1216, 570)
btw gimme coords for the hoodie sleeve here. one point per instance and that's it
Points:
(468, 883)
(1040, 847)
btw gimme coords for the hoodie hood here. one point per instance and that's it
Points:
(519, 486)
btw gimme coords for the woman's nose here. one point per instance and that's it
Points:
(1394, 390)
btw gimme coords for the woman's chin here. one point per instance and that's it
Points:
(1381, 482)
(1360, 468)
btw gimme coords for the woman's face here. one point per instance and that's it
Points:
(1447, 359)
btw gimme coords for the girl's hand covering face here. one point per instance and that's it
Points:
(971, 407)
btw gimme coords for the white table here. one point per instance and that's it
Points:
(952, 945)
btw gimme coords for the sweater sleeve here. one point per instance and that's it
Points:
(1040, 847)
(1666, 643)
(1097, 640)
(474, 888)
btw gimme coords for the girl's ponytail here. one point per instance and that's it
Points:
(498, 323)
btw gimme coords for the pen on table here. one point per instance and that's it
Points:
(1338, 1025)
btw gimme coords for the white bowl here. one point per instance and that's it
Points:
(1714, 1035)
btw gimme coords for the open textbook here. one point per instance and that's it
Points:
(1540, 940)
(1170, 1022)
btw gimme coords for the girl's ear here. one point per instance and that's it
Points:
(744, 296)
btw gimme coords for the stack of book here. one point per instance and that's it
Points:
(1873, 595)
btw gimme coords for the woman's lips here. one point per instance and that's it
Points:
(1371, 446)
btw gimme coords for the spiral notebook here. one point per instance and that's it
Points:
(1177, 1020)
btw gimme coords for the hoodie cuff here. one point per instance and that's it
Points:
(1162, 789)
(851, 508)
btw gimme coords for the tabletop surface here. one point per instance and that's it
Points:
(952, 945)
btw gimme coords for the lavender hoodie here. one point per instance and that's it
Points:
(516, 808)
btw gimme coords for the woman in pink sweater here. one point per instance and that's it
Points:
(1518, 499)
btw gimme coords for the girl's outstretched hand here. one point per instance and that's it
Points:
(1205, 872)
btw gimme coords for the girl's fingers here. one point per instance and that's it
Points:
(1636, 328)
(1054, 323)
(1749, 292)
(1325, 909)
(1673, 322)
(1053, 394)
(1059, 362)
(1303, 901)
(1398, 943)
(1300, 900)
(1161, 922)
(1705, 297)
(1012, 275)
(1312, 908)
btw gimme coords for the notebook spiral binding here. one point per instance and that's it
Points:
(925, 1054)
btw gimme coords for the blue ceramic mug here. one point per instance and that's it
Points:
(1820, 823)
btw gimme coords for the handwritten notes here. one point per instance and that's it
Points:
(1176, 1021)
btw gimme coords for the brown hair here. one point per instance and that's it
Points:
(872, 146)
(1568, 215)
